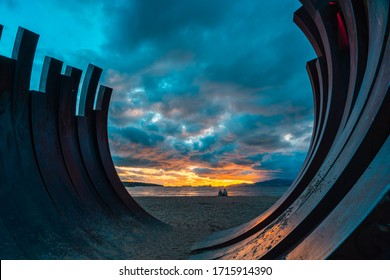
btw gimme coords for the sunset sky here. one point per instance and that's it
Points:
(205, 92)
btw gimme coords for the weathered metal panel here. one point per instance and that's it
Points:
(355, 128)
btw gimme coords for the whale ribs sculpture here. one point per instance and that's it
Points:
(60, 194)
(62, 198)
(326, 211)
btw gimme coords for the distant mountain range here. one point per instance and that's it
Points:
(269, 183)
(140, 184)
(274, 183)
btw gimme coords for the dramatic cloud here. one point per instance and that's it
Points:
(205, 92)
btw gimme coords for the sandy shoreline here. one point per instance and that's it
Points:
(194, 218)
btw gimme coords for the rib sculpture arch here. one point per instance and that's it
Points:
(61, 197)
(58, 197)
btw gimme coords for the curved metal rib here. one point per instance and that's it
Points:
(50, 206)
(354, 130)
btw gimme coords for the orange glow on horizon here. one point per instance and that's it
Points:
(227, 176)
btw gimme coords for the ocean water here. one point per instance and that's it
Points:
(205, 191)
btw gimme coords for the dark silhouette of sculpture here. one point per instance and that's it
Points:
(61, 197)
(345, 175)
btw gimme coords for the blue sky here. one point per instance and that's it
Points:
(205, 92)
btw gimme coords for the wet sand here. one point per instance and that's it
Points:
(194, 218)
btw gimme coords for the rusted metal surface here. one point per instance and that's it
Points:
(350, 212)
(348, 151)
(100, 119)
(25, 202)
(51, 207)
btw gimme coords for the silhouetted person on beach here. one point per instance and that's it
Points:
(220, 192)
(224, 193)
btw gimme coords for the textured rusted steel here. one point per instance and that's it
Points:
(27, 207)
(100, 119)
(348, 150)
(119, 203)
(51, 208)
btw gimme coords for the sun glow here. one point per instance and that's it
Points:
(185, 177)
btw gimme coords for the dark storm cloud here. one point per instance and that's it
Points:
(137, 162)
(135, 135)
(155, 21)
(218, 87)
(281, 165)
(202, 171)
(264, 141)
(207, 159)
(227, 38)
(208, 83)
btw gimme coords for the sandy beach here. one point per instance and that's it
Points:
(194, 218)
